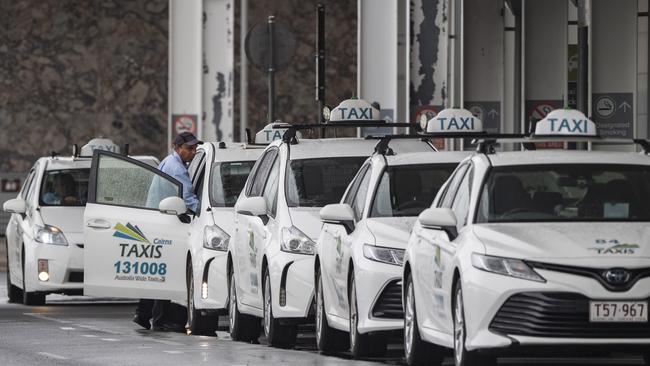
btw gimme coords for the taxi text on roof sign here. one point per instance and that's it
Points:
(99, 144)
(565, 122)
(269, 134)
(452, 120)
(354, 110)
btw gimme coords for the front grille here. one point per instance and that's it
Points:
(558, 314)
(389, 303)
(76, 276)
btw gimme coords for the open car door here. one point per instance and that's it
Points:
(134, 245)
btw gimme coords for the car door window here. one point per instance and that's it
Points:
(452, 187)
(197, 163)
(27, 185)
(121, 181)
(359, 202)
(349, 198)
(261, 173)
(271, 188)
(460, 205)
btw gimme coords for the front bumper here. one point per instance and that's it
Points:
(379, 296)
(485, 294)
(293, 275)
(211, 269)
(65, 267)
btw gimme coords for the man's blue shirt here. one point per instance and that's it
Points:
(173, 166)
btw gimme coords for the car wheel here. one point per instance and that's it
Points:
(463, 357)
(243, 328)
(197, 322)
(362, 345)
(277, 334)
(328, 339)
(14, 293)
(417, 351)
(30, 298)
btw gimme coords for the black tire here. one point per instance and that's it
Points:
(14, 293)
(198, 323)
(417, 351)
(243, 328)
(277, 335)
(463, 357)
(328, 339)
(30, 298)
(362, 345)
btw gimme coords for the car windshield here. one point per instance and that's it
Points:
(227, 181)
(67, 187)
(319, 182)
(586, 192)
(408, 190)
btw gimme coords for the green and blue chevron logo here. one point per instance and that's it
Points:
(131, 232)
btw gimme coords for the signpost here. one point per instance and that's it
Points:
(614, 114)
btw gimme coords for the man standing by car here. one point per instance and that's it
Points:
(174, 165)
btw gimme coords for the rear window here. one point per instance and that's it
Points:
(408, 190)
(319, 182)
(67, 187)
(227, 181)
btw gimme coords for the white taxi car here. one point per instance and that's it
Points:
(143, 243)
(271, 256)
(358, 268)
(532, 250)
(45, 246)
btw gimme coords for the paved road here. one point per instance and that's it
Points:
(83, 331)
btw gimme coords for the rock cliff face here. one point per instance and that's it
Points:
(71, 70)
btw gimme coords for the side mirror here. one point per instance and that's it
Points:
(340, 214)
(252, 206)
(172, 206)
(16, 205)
(439, 218)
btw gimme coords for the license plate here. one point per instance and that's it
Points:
(618, 311)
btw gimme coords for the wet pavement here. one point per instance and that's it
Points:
(85, 331)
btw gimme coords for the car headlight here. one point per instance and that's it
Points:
(49, 235)
(295, 241)
(215, 238)
(384, 254)
(505, 266)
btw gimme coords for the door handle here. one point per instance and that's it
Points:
(98, 224)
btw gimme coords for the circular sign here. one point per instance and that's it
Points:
(605, 107)
(540, 111)
(258, 41)
(184, 123)
(477, 112)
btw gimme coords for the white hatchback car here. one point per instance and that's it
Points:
(529, 251)
(271, 257)
(358, 268)
(45, 246)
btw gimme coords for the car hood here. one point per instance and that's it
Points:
(307, 220)
(225, 218)
(391, 231)
(68, 219)
(589, 244)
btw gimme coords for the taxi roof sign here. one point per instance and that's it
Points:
(565, 122)
(454, 120)
(354, 110)
(99, 143)
(271, 132)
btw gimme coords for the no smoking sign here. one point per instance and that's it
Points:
(184, 123)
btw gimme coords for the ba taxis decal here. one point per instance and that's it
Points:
(339, 255)
(139, 259)
(614, 247)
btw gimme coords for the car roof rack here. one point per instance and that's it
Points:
(383, 148)
(289, 136)
(486, 144)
